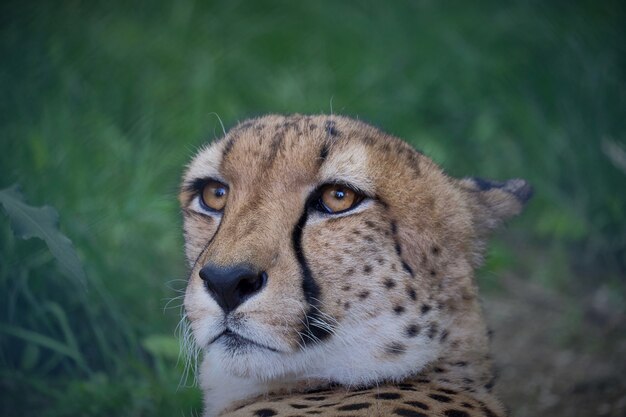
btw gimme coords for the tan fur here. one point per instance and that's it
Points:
(404, 257)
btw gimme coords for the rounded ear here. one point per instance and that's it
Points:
(492, 202)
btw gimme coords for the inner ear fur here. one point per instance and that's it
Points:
(493, 202)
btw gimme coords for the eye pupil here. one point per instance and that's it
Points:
(339, 194)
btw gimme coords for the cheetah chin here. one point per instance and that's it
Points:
(332, 273)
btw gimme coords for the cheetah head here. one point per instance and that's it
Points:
(321, 248)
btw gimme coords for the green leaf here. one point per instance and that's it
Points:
(42, 222)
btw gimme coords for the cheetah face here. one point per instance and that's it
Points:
(319, 247)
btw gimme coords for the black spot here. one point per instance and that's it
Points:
(354, 407)
(412, 293)
(350, 272)
(330, 128)
(447, 391)
(455, 413)
(468, 380)
(398, 248)
(407, 268)
(423, 381)
(433, 273)
(425, 308)
(394, 227)
(364, 294)
(487, 410)
(370, 224)
(404, 412)
(389, 283)
(395, 348)
(370, 238)
(432, 330)
(406, 387)
(388, 396)
(412, 330)
(346, 287)
(265, 412)
(467, 405)
(398, 309)
(367, 269)
(444, 336)
(346, 305)
(228, 147)
(440, 371)
(320, 398)
(299, 406)
(435, 250)
(356, 232)
(489, 385)
(324, 152)
(460, 363)
(417, 404)
(314, 412)
(380, 261)
(440, 398)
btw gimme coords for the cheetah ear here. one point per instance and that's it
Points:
(493, 202)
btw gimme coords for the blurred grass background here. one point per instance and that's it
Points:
(103, 102)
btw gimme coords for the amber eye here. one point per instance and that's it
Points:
(214, 195)
(337, 198)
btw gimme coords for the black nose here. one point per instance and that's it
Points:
(230, 286)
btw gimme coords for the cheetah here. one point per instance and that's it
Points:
(332, 273)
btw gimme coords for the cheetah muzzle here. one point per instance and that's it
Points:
(332, 273)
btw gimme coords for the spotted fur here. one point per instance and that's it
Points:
(372, 312)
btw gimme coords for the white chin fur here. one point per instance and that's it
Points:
(352, 356)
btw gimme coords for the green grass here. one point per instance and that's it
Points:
(104, 102)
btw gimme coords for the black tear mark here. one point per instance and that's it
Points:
(312, 330)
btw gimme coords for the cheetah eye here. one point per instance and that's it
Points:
(337, 198)
(213, 196)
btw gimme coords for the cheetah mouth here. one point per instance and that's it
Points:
(234, 341)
